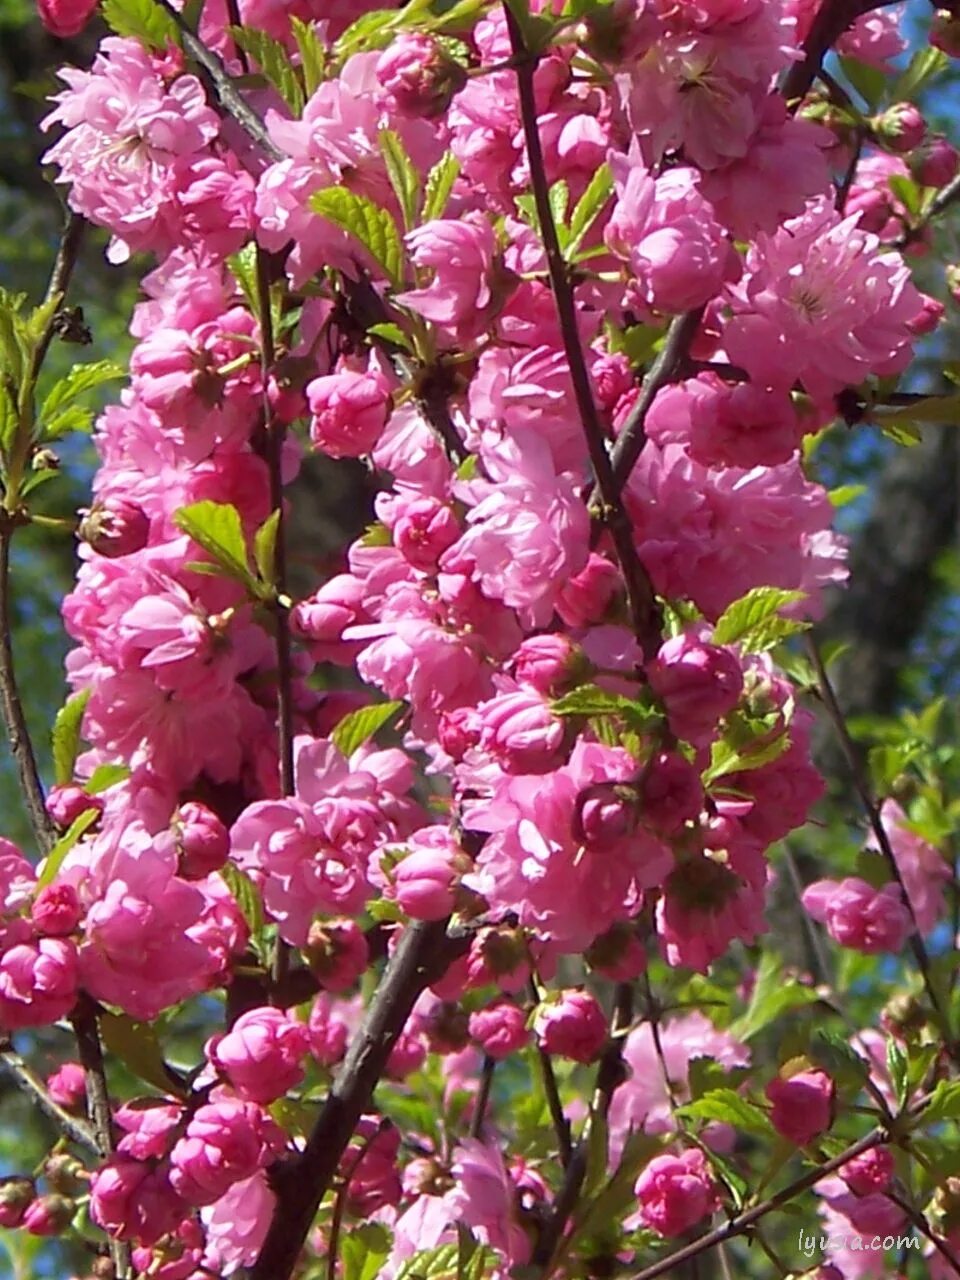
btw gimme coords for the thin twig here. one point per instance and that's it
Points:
(920, 1222)
(862, 787)
(340, 1201)
(64, 265)
(831, 21)
(76, 1130)
(644, 609)
(483, 1096)
(561, 1125)
(223, 86)
(669, 359)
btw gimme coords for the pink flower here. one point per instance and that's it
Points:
(803, 1105)
(56, 910)
(425, 878)
(923, 867)
(225, 1142)
(202, 840)
(350, 411)
(419, 77)
(819, 302)
(698, 683)
(858, 916)
(901, 127)
(115, 526)
(48, 1215)
(424, 530)
(261, 1054)
(666, 231)
(460, 254)
(328, 1032)
(676, 1192)
(870, 1172)
(547, 663)
(237, 1224)
(573, 1026)
(38, 983)
(67, 1085)
(485, 1199)
(500, 1029)
(132, 1200)
(337, 953)
(521, 734)
(528, 531)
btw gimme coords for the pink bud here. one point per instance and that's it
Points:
(803, 1105)
(676, 1192)
(671, 793)
(15, 1195)
(66, 803)
(328, 1033)
(337, 953)
(419, 77)
(935, 163)
(605, 815)
(522, 734)
(548, 663)
(48, 1215)
(115, 527)
(203, 842)
(407, 1055)
(499, 956)
(67, 1086)
(585, 598)
(424, 882)
(697, 683)
(459, 731)
(572, 1026)
(928, 317)
(500, 1029)
(350, 411)
(65, 18)
(859, 916)
(901, 127)
(56, 911)
(617, 954)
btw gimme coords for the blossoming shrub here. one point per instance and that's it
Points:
(481, 949)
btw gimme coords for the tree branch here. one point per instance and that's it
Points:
(25, 1079)
(644, 609)
(833, 18)
(423, 953)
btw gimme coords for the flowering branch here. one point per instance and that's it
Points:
(832, 20)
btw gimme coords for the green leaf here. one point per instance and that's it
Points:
(137, 1046)
(431, 1264)
(274, 63)
(354, 729)
(844, 494)
(403, 176)
(725, 758)
(54, 859)
(243, 267)
(363, 1250)
(147, 21)
(367, 222)
(729, 1107)
(922, 67)
(589, 206)
(440, 182)
(559, 197)
(907, 192)
(247, 897)
(829, 1050)
(591, 700)
(59, 414)
(104, 777)
(370, 31)
(870, 83)
(313, 55)
(391, 332)
(897, 1068)
(66, 736)
(753, 621)
(939, 409)
(265, 547)
(217, 527)
(773, 995)
(944, 1104)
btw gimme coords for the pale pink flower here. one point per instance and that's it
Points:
(676, 1192)
(859, 916)
(924, 869)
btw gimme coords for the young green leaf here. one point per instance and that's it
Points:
(137, 1046)
(274, 63)
(403, 176)
(265, 547)
(367, 222)
(216, 526)
(440, 182)
(773, 995)
(59, 412)
(313, 55)
(729, 1107)
(144, 19)
(66, 736)
(54, 859)
(589, 206)
(753, 621)
(354, 729)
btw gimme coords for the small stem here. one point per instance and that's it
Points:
(340, 1202)
(862, 787)
(561, 1125)
(64, 265)
(920, 1222)
(483, 1096)
(76, 1130)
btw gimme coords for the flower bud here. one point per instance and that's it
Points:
(115, 527)
(48, 1215)
(350, 411)
(66, 803)
(617, 954)
(936, 162)
(56, 910)
(900, 128)
(500, 1029)
(698, 684)
(423, 531)
(64, 1173)
(572, 1026)
(870, 1172)
(15, 1195)
(459, 731)
(261, 1054)
(65, 18)
(803, 1105)
(499, 955)
(605, 815)
(418, 76)
(337, 953)
(202, 841)
(67, 1086)
(945, 33)
(407, 1055)
(549, 664)
(676, 1192)
(522, 734)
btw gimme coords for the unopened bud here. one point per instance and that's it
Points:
(115, 527)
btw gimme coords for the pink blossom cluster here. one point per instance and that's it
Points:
(562, 784)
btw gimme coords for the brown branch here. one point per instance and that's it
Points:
(833, 18)
(340, 1202)
(862, 787)
(644, 609)
(423, 953)
(920, 1222)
